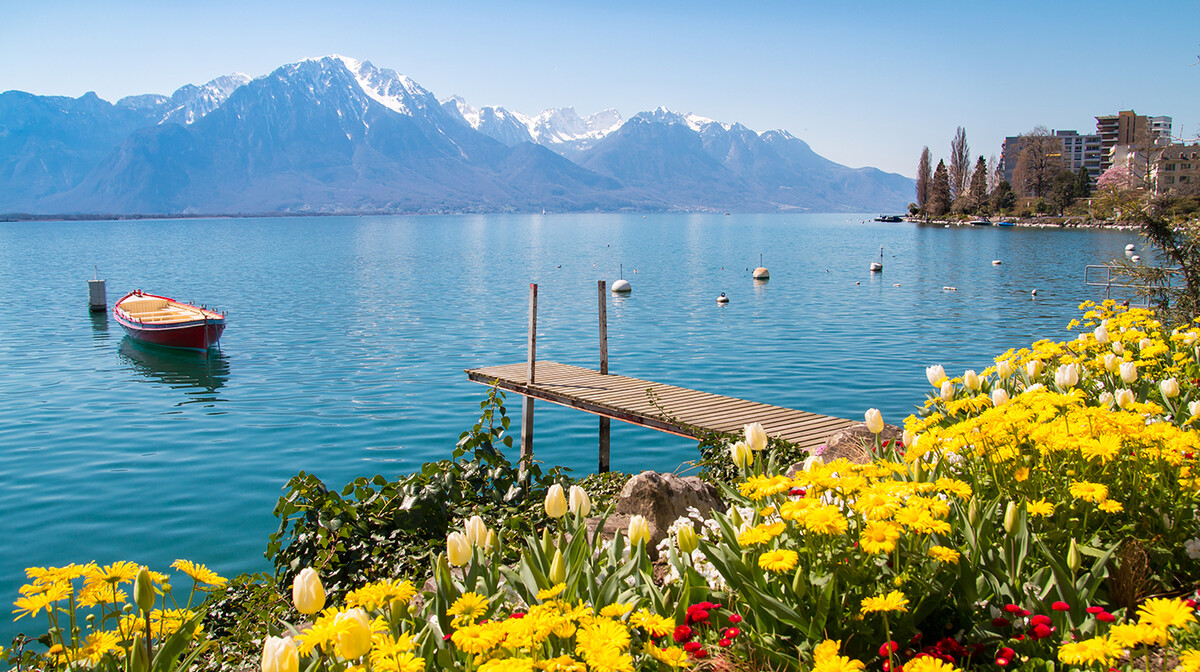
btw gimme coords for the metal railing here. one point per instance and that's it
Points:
(1101, 275)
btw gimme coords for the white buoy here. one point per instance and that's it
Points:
(877, 266)
(948, 288)
(761, 273)
(1135, 258)
(1034, 292)
(1130, 247)
(97, 301)
(996, 262)
(722, 298)
(622, 286)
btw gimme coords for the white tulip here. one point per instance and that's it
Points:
(756, 436)
(1101, 334)
(579, 502)
(639, 530)
(935, 374)
(1067, 375)
(874, 420)
(1145, 343)
(1194, 407)
(353, 629)
(458, 549)
(307, 592)
(1169, 388)
(1106, 398)
(556, 502)
(742, 456)
(280, 655)
(971, 379)
(947, 391)
(908, 438)
(1004, 368)
(1125, 397)
(1035, 387)
(1033, 367)
(1118, 347)
(999, 396)
(476, 532)
(1129, 372)
(1112, 363)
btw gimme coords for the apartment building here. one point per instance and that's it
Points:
(1177, 169)
(1118, 132)
(1078, 151)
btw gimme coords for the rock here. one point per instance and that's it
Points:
(856, 442)
(661, 499)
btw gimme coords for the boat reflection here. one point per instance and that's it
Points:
(199, 374)
(99, 325)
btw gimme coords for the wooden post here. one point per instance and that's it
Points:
(527, 405)
(604, 422)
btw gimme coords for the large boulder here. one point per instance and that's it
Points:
(661, 499)
(856, 443)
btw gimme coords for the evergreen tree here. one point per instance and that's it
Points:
(978, 195)
(1083, 184)
(1003, 197)
(924, 178)
(939, 192)
(1062, 191)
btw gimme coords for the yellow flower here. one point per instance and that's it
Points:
(551, 592)
(561, 664)
(893, 601)
(1089, 651)
(200, 573)
(30, 605)
(944, 554)
(507, 665)
(827, 659)
(1089, 492)
(880, 537)
(379, 594)
(468, 608)
(1189, 661)
(657, 626)
(475, 639)
(1164, 613)
(1040, 508)
(616, 610)
(1111, 506)
(824, 519)
(672, 656)
(781, 560)
(1021, 474)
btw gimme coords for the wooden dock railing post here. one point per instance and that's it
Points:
(605, 423)
(527, 404)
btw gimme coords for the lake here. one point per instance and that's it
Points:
(348, 337)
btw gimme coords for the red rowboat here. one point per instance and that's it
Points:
(162, 321)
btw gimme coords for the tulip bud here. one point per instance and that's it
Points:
(756, 436)
(1118, 347)
(1194, 407)
(999, 396)
(476, 532)
(458, 549)
(735, 516)
(354, 633)
(556, 502)
(935, 374)
(143, 590)
(639, 530)
(558, 568)
(490, 543)
(1125, 398)
(908, 438)
(1106, 399)
(1101, 334)
(742, 456)
(1004, 368)
(687, 540)
(973, 512)
(1066, 376)
(1145, 343)
(1129, 372)
(307, 592)
(279, 655)
(799, 584)
(874, 420)
(971, 379)
(947, 391)
(1010, 517)
(580, 503)
(139, 656)
(1074, 559)
(1033, 367)
(1169, 388)
(1112, 363)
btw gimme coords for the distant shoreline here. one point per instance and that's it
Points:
(1042, 223)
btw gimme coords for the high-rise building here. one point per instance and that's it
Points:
(1078, 151)
(1177, 169)
(1118, 132)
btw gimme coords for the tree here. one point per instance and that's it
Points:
(939, 192)
(1083, 183)
(1003, 197)
(993, 175)
(924, 178)
(1062, 191)
(1038, 163)
(978, 193)
(960, 164)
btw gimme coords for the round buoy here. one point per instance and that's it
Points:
(1034, 292)
(621, 287)
(1135, 258)
(1130, 247)
(948, 288)
(762, 273)
(996, 262)
(722, 298)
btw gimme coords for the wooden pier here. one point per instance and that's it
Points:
(667, 408)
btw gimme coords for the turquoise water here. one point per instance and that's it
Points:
(348, 337)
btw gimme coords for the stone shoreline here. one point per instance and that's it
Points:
(1037, 223)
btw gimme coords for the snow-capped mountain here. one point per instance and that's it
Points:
(336, 134)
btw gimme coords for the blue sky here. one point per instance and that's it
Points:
(867, 83)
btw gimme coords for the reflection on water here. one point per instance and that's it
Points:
(99, 325)
(198, 374)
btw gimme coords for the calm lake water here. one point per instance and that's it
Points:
(348, 337)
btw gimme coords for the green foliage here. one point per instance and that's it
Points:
(236, 616)
(1173, 288)
(1003, 199)
(716, 464)
(376, 528)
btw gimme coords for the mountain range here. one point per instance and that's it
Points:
(338, 135)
